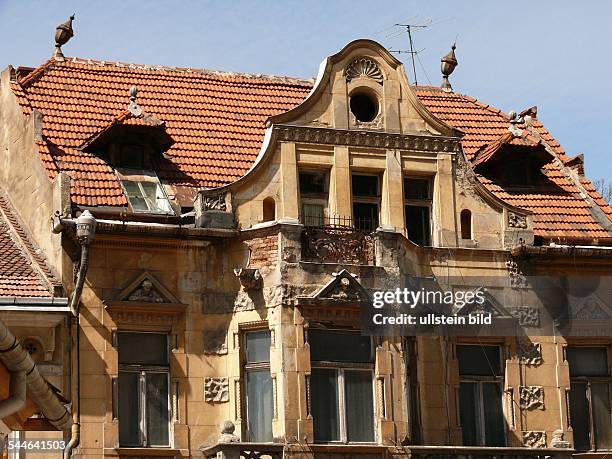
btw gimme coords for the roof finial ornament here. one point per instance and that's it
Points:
(133, 106)
(449, 62)
(63, 33)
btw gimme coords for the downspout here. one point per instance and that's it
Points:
(85, 232)
(17, 360)
(17, 395)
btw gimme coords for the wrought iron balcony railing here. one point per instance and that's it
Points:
(337, 240)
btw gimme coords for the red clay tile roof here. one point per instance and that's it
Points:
(560, 211)
(217, 121)
(24, 272)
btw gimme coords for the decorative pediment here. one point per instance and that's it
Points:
(146, 289)
(145, 299)
(489, 306)
(591, 309)
(342, 290)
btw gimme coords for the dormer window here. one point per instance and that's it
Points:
(133, 143)
(144, 192)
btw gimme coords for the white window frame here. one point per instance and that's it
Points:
(144, 176)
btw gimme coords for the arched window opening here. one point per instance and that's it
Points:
(466, 224)
(269, 209)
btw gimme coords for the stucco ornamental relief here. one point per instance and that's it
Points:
(534, 439)
(530, 353)
(363, 67)
(146, 293)
(214, 342)
(528, 316)
(531, 397)
(216, 390)
(517, 221)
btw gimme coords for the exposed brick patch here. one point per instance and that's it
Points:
(264, 252)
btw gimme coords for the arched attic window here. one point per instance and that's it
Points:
(466, 224)
(269, 209)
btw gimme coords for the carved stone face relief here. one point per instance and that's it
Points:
(146, 293)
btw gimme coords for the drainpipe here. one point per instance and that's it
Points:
(17, 360)
(85, 232)
(17, 395)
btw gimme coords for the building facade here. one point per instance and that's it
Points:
(216, 236)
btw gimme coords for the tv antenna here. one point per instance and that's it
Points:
(412, 52)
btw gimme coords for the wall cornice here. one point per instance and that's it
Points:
(358, 138)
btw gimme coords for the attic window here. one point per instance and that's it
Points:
(364, 107)
(144, 192)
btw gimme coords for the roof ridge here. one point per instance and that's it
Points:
(37, 73)
(185, 70)
(27, 246)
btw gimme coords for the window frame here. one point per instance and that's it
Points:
(139, 176)
(480, 381)
(424, 202)
(252, 367)
(142, 370)
(314, 199)
(360, 199)
(588, 381)
(341, 368)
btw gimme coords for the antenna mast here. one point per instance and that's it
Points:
(412, 52)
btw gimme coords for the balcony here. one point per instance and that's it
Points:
(338, 240)
(314, 451)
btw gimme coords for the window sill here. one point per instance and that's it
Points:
(146, 452)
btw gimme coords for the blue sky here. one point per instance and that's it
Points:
(512, 55)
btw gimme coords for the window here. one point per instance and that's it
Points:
(259, 402)
(590, 393)
(466, 224)
(366, 201)
(144, 192)
(143, 401)
(363, 106)
(418, 199)
(131, 157)
(269, 209)
(480, 395)
(314, 195)
(341, 387)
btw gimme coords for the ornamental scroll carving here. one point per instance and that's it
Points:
(534, 439)
(363, 67)
(531, 397)
(517, 221)
(216, 390)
